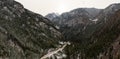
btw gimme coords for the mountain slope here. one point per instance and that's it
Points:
(27, 35)
(80, 23)
(24, 34)
(106, 41)
(77, 24)
(91, 38)
(103, 43)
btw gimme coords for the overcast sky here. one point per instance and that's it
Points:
(59, 6)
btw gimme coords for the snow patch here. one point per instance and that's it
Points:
(95, 20)
(61, 42)
(57, 27)
(90, 19)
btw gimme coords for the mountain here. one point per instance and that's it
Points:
(80, 23)
(83, 34)
(110, 10)
(93, 12)
(51, 16)
(79, 12)
(25, 34)
(75, 24)
(104, 16)
(104, 43)
(91, 37)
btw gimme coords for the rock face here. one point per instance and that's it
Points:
(24, 34)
